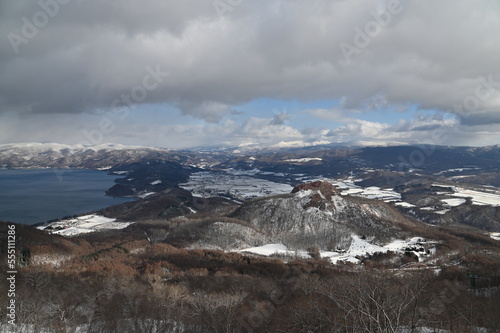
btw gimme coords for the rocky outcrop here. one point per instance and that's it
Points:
(322, 198)
(315, 214)
(326, 188)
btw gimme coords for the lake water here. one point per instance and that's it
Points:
(31, 196)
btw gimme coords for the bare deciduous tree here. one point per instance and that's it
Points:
(218, 311)
(368, 301)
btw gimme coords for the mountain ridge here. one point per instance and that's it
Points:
(54, 155)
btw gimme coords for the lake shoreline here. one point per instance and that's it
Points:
(35, 196)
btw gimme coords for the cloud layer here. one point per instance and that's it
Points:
(207, 58)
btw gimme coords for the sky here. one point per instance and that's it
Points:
(193, 73)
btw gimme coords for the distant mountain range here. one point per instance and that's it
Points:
(429, 180)
(431, 158)
(53, 155)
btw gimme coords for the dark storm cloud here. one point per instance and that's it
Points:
(483, 118)
(89, 54)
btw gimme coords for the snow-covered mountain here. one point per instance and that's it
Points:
(314, 214)
(54, 155)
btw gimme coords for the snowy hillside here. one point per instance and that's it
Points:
(83, 224)
(358, 249)
(316, 214)
(53, 155)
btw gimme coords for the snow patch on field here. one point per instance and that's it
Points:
(83, 224)
(456, 170)
(145, 195)
(404, 204)
(453, 202)
(495, 235)
(478, 197)
(274, 249)
(304, 160)
(487, 197)
(459, 177)
(375, 192)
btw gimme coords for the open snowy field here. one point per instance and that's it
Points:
(495, 235)
(83, 224)
(304, 160)
(275, 249)
(239, 185)
(358, 248)
(488, 197)
(245, 184)
(373, 192)
(454, 202)
(404, 204)
(478, 197)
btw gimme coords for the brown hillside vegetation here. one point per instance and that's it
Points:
(123, 283)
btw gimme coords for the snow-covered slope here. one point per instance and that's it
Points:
(83, 224)
(358, 249)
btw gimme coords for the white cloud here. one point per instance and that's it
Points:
(338, 115)
(433, 55)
